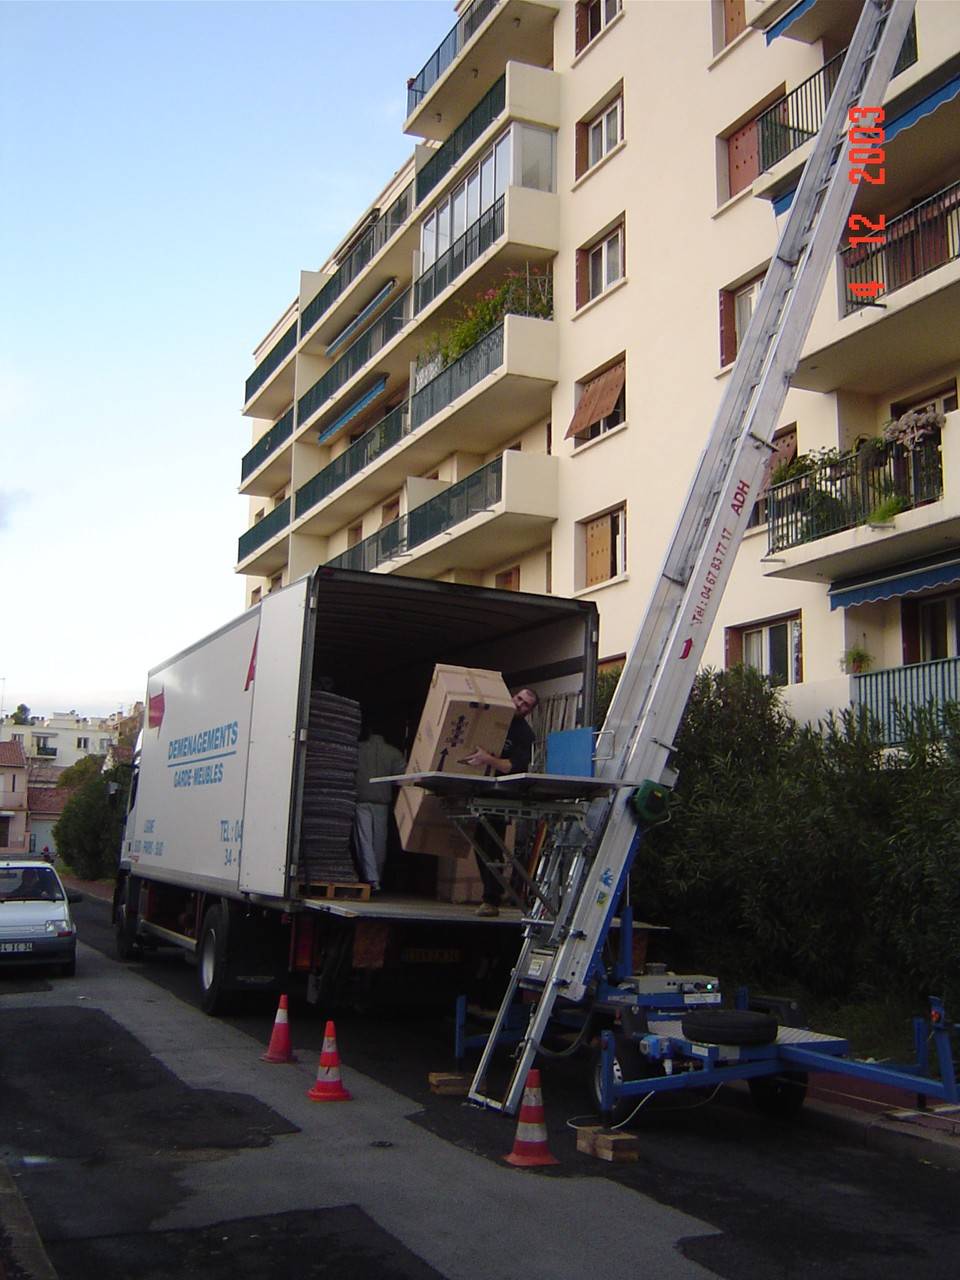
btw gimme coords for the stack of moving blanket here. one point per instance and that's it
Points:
(329, 790)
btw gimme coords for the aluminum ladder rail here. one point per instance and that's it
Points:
(658, 674)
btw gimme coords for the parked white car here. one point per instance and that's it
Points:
(36, 926)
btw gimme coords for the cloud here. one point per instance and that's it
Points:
(10, 499)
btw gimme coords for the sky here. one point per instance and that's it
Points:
(168, 168)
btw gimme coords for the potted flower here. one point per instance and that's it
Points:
(856, 659)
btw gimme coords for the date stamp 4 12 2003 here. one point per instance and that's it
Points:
(867, 158)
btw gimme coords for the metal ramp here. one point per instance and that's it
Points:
(561, 957)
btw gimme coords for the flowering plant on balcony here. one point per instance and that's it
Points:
(913, 428)
(524, 292)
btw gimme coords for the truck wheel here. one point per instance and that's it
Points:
(125, 925)
(780, 1096)
(628, 1064)
(729, 1026)
(212, 961)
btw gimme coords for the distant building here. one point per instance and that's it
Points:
(13, 798)
(44, 807)
(63, 738)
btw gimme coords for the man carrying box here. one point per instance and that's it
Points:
(514, 758)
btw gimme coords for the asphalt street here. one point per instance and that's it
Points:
(149, 1140)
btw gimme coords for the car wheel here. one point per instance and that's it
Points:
(628, 1064)
(780, 1096)
(212, 961)
(729, 1026)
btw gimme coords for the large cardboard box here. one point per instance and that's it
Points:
(465, 708)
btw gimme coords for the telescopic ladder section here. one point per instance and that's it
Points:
(658, 674)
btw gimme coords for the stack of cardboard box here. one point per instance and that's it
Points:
(466, 708)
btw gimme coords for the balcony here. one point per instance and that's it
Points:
(825, 526)
(270, 386)
(45, 752)
(490, 106)
(914, 244)
(479, 403)
(356, 356)
(257, 539)
(796, 118)
(860, 488)
(473, 55)
(499, 511)
(888, 695)
(269, 479)
(382, 231)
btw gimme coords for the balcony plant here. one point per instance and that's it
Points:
(525, 292)
(887, 508)
(856, 659)
(911, 429)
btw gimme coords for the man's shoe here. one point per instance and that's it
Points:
(488, 909)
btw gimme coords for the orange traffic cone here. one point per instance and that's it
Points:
(328, 1087)
(530, 1145)
(279, 1048)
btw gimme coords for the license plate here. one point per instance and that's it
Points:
(16, 946)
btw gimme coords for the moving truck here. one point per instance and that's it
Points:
(213, 856)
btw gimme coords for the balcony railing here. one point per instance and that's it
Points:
(474, 493)
(462, 138)
(355, 357)
(795, 118)
(457, 378)
(271, 361)
(267, 444)
(421, 84)
(915, 243)
(264, 530)
(47, 752)
(364, 251)
(892, 695)
(848, 492)
(464, 251)
(352, 461)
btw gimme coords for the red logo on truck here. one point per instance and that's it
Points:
(155, 710)
(252, 669)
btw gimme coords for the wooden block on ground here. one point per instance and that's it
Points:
(587, 1139)
(450, 1083)
(616, 1146)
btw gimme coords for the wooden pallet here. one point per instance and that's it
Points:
(353, 892)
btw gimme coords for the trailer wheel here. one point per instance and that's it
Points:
(628, 1064)
(729, 1026)
(212, 961)
(780, 1096)
(125, 924)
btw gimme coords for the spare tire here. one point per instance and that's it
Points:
(729, 1026)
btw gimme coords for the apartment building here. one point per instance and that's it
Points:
(506, 371)
(59, 741)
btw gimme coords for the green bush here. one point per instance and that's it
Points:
(89, 829)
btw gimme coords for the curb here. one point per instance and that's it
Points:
(19, 1234)
(885, 1135)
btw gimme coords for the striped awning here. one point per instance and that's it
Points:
(894, 585)
(788, 19)
(353, 409)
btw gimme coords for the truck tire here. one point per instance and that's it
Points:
(212, 955)
(729, 1026)
(126, 944)
(780, 1096)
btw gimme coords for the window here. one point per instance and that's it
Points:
(354, 535)
(83, 744)
(592, 17)
(600, 265)
(941, 399)
(930, 628)
(390, 511)
(775, 649)
(598, 135)
(601, 405)
(509, 579)
(784, 452)
(255, 595)
(605, 547)
(13, 782)
(276, 582)
(736, 308)
(734, 19)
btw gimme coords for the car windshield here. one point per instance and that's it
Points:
(29, 884)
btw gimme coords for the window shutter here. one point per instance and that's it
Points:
(743, 157)
(598, 550)
(785, 450)
(582, 34)
(734, 19)
(582, 293)
(598, 400)
(732, 647)
(910, 630)
(728, 327)
(581, 158)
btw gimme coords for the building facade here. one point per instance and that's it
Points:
(13, 798)
(60, 740)
(507, 370)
